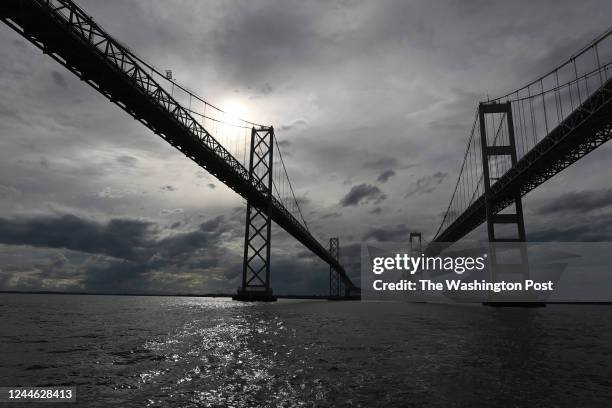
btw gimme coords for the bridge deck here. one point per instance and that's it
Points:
(62, 30)
(582, 131)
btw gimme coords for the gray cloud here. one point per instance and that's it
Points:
(427, 184)
(287, 128)
(58, 78)
(128, 161)
(133, 256)
(120, 238)
(124, 250)
(362, 193)
(578, 202)
(591, 230)
(330, 215)
(266, 89)
(174, 211)
(388, 233)
(385, 176)
(382, 163)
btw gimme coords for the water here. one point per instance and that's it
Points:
(197, 352)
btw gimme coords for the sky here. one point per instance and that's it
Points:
(373, 102)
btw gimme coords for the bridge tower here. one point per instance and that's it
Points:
(335, 284)
(416, 249)
(493, 215)
(256, 264)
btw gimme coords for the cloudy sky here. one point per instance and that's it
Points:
(373, 99)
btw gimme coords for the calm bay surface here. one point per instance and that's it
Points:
(135, 351)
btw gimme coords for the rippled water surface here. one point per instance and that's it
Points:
(198, 352)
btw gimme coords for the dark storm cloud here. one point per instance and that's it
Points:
(57, 268)
(578, 202)
(124, 251)
(128, 239)
(362, 193)
(590, 230)
(208, 232)
(386, 175)
(115, 276)
(388, 233)
(427, 184)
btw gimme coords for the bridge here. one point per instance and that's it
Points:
(243, 155)
(520, 140)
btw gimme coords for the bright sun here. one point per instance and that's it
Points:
(235, 110)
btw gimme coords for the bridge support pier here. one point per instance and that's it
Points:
(335, 284)
(416, 249)
(505, 148)
(256, 264)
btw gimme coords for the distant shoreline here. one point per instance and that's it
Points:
(229, 295)
(207, 295)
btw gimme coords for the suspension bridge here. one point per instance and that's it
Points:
(520, 140)
(517, 141)
(243, 155)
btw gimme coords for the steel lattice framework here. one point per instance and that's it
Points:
(256, 266)
(335, 285)
(552, 122)
(67, 34)
(582, 131)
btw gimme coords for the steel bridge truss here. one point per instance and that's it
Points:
(335, 284)
(258, 226)
(582, 131)
(67, 34)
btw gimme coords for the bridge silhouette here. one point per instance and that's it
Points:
(517, 142)
(239, 153)
(522, 139)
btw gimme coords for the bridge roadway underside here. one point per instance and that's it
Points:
(585, 129)
(35, 21)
